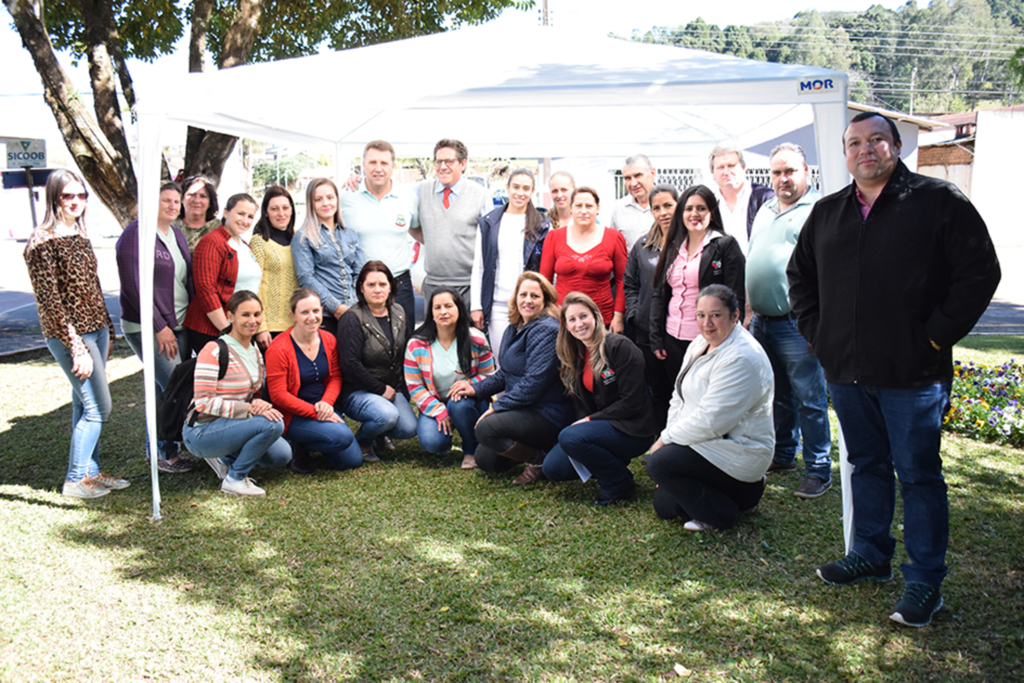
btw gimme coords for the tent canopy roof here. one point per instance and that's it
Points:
(537, 91)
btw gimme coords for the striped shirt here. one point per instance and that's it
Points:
(419, 374)
(228, 397)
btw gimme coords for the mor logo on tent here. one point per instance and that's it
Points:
(809, 86)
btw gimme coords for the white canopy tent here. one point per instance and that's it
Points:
(535, 92)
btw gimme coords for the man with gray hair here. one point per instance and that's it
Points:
(631, 215)
(801, 402)
(738, 198)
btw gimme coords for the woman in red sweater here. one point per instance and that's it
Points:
(304, 380)
(222, 265)
(583, 256)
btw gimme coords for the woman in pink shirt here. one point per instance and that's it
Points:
(583, 255)
(697, 253)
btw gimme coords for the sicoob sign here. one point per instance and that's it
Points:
(26, 153)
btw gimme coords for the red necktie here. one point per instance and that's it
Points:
(447, 194)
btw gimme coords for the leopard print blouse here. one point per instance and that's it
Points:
(67, 288)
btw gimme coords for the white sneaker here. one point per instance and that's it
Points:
(245, 487)
(219, 467)
(108, 482)
(697, 525)
(84, 489)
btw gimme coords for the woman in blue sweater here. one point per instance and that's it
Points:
(522, 424)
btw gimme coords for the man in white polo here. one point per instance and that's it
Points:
(631, 215)
(384, 214)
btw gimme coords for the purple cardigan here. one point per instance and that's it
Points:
(127, 250)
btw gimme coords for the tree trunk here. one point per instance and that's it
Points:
(207, 152)
(107, 171)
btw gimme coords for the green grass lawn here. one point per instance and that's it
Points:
(413, 569)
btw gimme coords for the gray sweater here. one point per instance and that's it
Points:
(449, 234)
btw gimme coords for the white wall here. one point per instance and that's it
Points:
(996, 183)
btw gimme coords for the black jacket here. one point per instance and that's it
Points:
(870, 293)
(638, 283)
(721, 263)
(489, 226)
(620, 394)
(759, 194)
(369, 362)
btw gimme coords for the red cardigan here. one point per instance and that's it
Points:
(214, 271)
(283, 380)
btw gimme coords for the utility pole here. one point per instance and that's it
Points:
(913, 80)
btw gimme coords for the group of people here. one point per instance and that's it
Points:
(698, 326)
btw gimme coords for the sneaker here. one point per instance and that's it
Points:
(919, 602)
(468, 462)
(812, 486)
(697, 525)
(245, 487)
(84, 489)
(777, 466)
(218, 466)
(851, 569)
(108, 482)
(175, 465)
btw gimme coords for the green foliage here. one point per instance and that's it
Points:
(147, 29)
(947, 55)
(284, 172)
(288, 28)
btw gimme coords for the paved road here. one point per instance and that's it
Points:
(19, 322)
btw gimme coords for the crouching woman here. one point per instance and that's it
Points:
(228, 426)
(304, 379)
(603, 372)
(710, 461)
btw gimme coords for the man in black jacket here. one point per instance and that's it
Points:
(887, 275)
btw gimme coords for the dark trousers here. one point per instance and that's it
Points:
(690, 487)
(659, 380)
(499, 431)
(599, 447)
(675, 349)
(197, 340)
(405, 298)
(330, 324)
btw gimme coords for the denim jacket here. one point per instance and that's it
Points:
(331, 276)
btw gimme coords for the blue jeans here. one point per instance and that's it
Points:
(897, 429)
(333, 439)
(240, 444)
(163, 367)
(602, 448)
(90, 403)
(801, 403)
(377, 415)
(464, 414)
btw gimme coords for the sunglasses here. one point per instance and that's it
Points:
(68, 196)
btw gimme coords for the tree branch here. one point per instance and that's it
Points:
(108, 172)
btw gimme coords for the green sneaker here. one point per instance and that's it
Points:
(851, 569)
(919, 602)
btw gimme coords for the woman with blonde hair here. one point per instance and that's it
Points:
(522, 423)
(74, 320)
(326, 254)
(603, 373)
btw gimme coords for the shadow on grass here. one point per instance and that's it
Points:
(414, 569)
(1009, 345)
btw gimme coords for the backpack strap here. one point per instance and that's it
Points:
(223, 359)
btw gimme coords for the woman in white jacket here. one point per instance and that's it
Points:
(710, 461)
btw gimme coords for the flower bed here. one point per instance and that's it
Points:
(986, 402)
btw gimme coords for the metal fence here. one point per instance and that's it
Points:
(683, 178)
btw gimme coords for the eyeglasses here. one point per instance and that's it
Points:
(68, 196)
(446, 162)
